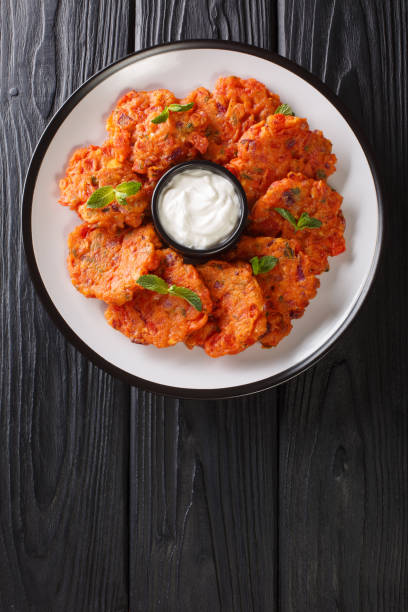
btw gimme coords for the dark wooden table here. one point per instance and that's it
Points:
(114, 498)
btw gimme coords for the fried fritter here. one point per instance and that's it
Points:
(163, 320)
(93, 167)
(234, 105)
(287, 288)
(270, 149)
(179, 138)
(238, 318)
(152, 148)
(106, 264)
(128, 118)
(298, 194)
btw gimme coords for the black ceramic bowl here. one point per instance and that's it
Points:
(200, 254)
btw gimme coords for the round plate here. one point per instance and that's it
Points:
(177, 371)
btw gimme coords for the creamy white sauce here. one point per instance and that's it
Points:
(199, 208)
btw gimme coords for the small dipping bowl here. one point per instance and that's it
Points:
(215, 249)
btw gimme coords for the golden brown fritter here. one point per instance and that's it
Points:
(127, 121)
(298, 194)
(180, 137)
(270, 149)
(93, 167)
(163, 320)
(151, 147)
(106, 264)
(238, 317)
(234, 105)
(287, 288)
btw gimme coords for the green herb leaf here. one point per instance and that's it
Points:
(175, 108)
(124, 190)
(320, 174)
(159, 285)
(163, 116)
(255, 264)
(263, 264)
(267, 263)
(288, 216)
(121, 198)
(130, 188)
(178, 108)
(306, 221)
(284, 109)
(153, 283)
(187, 294)
(101, 197)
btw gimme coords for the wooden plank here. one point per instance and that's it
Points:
(63, 423)
(203, 483)
(169, 20)
(344, 428)
(203, 504)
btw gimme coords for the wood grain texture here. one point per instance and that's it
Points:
(343, 425)
(169, 20)
(203, 489)
(63, 423)
(203, 505)
(304, 486)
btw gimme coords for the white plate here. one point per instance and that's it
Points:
(182, 67)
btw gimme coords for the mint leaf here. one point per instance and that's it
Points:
(284, 109)
(164, 115)
(105, 195)
(101, 197)
(120, 198)
(153, 283)
(178, 108)
(175, 108)
(187, 294)
(130, 188)
(306, 221)
(267, 263)
(288, 216)
(124, 190)
(255, 264)
(157, 284)
(262, 265)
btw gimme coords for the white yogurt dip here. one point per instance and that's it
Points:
(199, 208)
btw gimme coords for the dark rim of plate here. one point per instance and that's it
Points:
(197, 255)
(31, 178)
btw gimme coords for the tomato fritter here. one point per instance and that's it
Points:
(129, 116)
(158, 146)
(238, 318)
(298, 194)
(151, 147)
(106, 264)
(93, 167)
(163, 320)
(270, 149)
(287, 288)
(234, 105)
